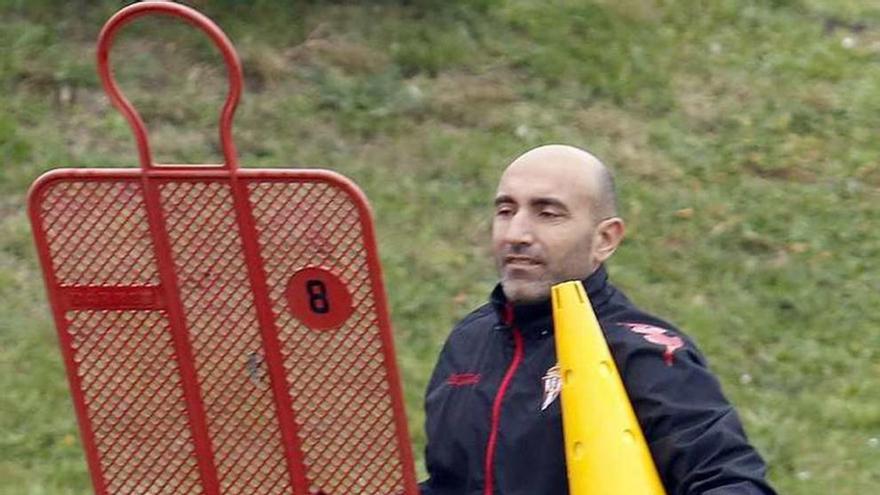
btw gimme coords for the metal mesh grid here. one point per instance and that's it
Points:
(337, 378)
(223, 328)
(97, 234)
(128, 370)
(111, 242)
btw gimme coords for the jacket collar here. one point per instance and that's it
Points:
(536, 319)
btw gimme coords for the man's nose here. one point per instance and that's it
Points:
(519, 229)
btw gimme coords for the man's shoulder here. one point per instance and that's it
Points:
(475, 324)
(480, 317)
(635, 333)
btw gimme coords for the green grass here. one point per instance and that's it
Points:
(743, 133)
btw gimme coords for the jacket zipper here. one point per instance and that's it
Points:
(489, 486)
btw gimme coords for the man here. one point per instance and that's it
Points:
(492, 409)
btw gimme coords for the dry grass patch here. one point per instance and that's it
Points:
(324, 47)
(705, 99)
(624, 138)
(472, 100)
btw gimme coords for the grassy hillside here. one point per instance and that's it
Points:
(744, 134)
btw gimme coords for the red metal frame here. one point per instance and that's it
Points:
(197, 19)
(98, 241)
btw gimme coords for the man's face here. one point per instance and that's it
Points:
(543, 229)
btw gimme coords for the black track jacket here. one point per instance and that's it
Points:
(488, 434)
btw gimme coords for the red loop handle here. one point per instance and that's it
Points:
(197, 19)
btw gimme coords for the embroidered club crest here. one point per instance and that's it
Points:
(552, 386)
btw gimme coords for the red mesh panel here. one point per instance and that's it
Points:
(338, 382)
(128, 371)
(98, 233)
(211, 422)
(225, 336)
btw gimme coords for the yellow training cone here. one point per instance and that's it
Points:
(605, 450)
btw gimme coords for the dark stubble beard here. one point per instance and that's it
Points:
(526, 292)
(535, 291)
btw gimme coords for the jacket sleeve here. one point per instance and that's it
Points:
(433, 485)
(694, 434)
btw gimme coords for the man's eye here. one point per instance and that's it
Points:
(549, 214)
(503, 212)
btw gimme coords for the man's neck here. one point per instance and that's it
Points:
(539, 313)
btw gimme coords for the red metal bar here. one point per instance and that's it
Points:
(64, 339)
(192, 392)
(183, 348)
(272, 347)
(233, 65)
(381, 307)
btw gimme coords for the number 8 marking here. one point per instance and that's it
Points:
(318, 298)
(317, 292)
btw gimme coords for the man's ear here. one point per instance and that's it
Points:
(607, 237)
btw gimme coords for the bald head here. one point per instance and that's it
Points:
(582, 168)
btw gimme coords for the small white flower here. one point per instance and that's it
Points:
(414, 92)
(804, 475)
(874, 442)
(745, 378)
(848, 42)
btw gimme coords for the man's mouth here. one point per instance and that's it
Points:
(520, 261)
